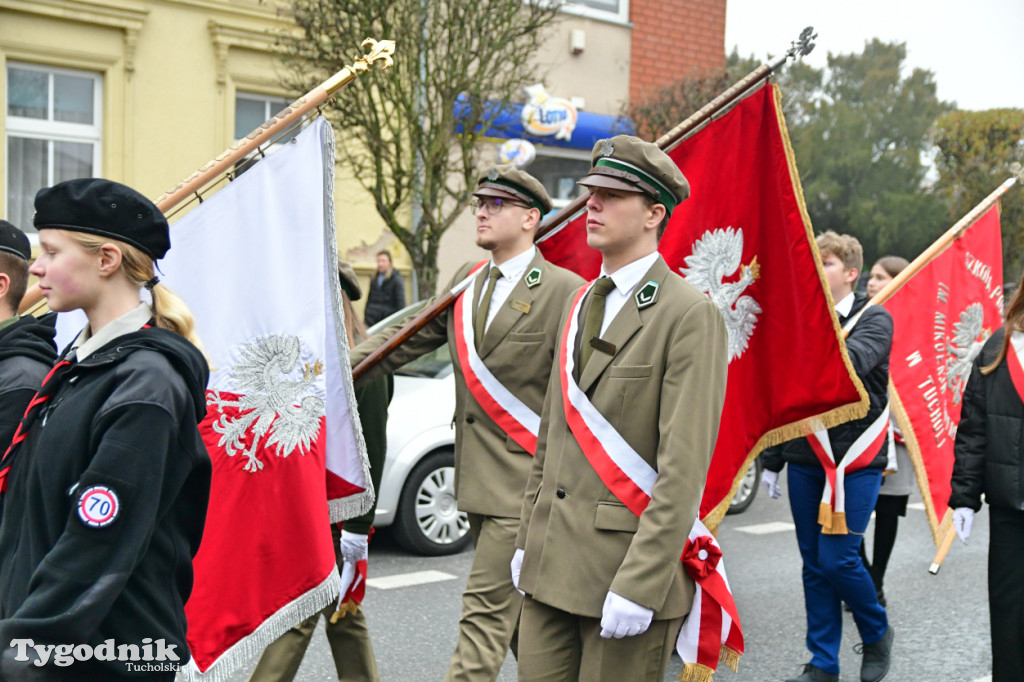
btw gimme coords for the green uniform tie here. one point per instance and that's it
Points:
(595, 316)
(480, 321)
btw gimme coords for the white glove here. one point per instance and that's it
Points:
(963, 519)
(517, 567)
(621, 617)
(770, 479)
(353, 550)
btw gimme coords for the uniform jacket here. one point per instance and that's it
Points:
(27, 353)
(989, 450)
(663, 391)
(518, 348)
(385, 298)
(868, 345)
(124, 418)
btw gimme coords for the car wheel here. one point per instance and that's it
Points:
(428, 521)
(747, 491)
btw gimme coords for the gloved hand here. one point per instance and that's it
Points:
(770, 479)
(353, 550)
(621, 617)
(963, 519)
(517, 567)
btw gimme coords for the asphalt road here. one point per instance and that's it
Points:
(940, 621)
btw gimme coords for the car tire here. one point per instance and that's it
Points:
(428, 521)
(747, 490)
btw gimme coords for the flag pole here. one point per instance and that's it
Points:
(378, 51)
(800, 47)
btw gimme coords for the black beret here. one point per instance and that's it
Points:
(104, 208)
(13, 240)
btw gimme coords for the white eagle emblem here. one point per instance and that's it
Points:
(273, 404)
(716, 255)
(968, 338)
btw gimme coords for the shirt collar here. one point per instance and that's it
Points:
(628, 276)
(88, 343)
(844, 306)
(514, 267)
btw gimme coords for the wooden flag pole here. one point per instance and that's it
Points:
(940, 556)
(294, 112)
(799, 48)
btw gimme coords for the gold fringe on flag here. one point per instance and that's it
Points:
(730, 657)
(695, 672)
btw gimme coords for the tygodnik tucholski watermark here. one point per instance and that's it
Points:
(151, 656)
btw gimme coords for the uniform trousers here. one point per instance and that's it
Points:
(1006, 593)
(833, 571)
(556, 646)
(489, 624)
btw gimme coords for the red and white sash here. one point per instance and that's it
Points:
(1013, 363)
(511, 414)
(832, 510)
(712, 629)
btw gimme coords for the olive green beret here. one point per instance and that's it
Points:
(628, 163)
(507, 181)
(349, 281)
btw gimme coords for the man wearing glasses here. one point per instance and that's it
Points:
(501, 333)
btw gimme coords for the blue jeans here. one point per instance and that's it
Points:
(833, 570)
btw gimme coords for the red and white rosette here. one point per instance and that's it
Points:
(711, 632)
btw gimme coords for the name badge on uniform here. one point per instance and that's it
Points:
(98, 506)
(647, 295)
(521, 306)
(532, 278)
(603, 346)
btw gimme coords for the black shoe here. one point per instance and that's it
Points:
(881, 596)
(813, 673)
(877, 657)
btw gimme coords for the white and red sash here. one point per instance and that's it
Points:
(1013, 363)
(511, 414)
(712, 629)
(832, 510)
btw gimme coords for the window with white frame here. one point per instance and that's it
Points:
(253, 110)
(615, 10)
(558, 170)
(53, 132)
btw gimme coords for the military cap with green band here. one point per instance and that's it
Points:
(509, 182)
(628, 163)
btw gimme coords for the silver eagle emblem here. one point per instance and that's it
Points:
(716, 255)
(968, 338)
(274, 403)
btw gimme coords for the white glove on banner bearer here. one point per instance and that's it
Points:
(621, 617)
(963, 519)
(353, 550)
(517, 567)
(770, 479)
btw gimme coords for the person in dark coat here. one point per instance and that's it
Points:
(989, 460)
(832, 569)
(27, 350)
(387, 291)
(107, 479)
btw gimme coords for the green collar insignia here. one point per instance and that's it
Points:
(647, 295)
(532, 278)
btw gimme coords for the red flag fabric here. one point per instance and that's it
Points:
(744, 238)
(942, 316)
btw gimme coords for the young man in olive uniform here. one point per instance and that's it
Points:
(629, 426)
(501, 334)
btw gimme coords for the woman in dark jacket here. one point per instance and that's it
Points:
(989, 459)
(107, 480)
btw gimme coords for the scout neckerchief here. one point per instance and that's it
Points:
(712, 630)
(832, 509)
(511, 415)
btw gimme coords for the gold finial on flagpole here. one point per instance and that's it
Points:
(1017, 171)
(380, 50)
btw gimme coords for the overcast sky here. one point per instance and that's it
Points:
(975, 48)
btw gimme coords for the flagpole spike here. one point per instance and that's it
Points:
(1017, 171)
(804, 44)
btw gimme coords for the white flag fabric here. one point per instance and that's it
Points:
(257, 264)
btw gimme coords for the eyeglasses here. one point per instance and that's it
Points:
(493, 204)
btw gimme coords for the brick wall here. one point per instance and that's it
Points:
(671, 39)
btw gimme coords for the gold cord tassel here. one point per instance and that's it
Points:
(730, 657)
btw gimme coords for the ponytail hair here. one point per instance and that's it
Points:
(169, 310)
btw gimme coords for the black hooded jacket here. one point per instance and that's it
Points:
(105, 506)
(868, 346)
(27, 352)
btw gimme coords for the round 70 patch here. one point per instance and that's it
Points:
(98, 506)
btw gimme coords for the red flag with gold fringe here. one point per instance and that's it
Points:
(745, 239)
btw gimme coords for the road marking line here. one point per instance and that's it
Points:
(766, 528)
(391, 582)
(919, 506)
(987, 678)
